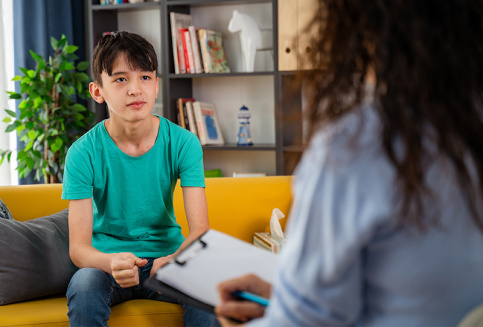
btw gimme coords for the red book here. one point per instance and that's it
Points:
(185, 36)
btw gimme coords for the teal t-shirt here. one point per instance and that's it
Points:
(132, 197)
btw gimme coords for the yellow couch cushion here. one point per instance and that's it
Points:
(27, 202)
(52, 311)
(240, 206)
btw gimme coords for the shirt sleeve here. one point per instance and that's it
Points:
(190, 167)
(78, 175)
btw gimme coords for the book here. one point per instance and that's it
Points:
(179, 108)
(212, 51)
(178, 21)
(182, 114)
(191, 117)
(188, 51)
(209, 130)
(268, 242)
(196, 50)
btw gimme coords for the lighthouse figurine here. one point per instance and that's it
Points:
(244, 138)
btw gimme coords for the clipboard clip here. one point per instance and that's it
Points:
(190, 252)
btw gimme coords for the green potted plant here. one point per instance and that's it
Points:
(50, 119)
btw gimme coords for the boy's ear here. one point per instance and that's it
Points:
(95, 90)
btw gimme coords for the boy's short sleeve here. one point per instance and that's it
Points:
(191, 169)
(78, 175)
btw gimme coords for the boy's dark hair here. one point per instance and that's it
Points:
(139, 53)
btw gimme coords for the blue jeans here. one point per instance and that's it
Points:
(92, 292)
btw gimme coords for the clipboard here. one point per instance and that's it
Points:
(193, 275)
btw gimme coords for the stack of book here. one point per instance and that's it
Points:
(196, 50)
(199, 118)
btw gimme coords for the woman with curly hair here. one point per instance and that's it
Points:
(386, 228)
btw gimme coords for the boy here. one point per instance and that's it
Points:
(119, 178)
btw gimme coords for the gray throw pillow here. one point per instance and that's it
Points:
(4, 212)
(34, 258)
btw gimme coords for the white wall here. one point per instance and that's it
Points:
(8, 176)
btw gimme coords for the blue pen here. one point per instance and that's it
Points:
(252, 297)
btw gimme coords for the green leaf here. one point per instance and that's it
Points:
(20, 127)
(10, 128)
(31, 73)
(32, 135)
(25, 171)
(37, 102)
(14, 95)
(59, 142)
(79, 107)
(41, 65)
(36, 57)
(53, 43)
(70, 57)
(17, 78)
(69, 66)
(37, 154)
(71, 48)
(57, 77)
(11, 113)
(62, 42)
(7, 120)
(22, 104)
(28, 146)
(83, 65)
(30, 162)
(26, 80)
(54, 147)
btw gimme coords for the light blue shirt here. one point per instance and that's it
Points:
(347, 262)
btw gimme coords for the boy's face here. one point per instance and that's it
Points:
(129, 94)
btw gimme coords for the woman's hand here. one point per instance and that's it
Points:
(158, 263)
(232, 307)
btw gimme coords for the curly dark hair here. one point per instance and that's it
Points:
(427, 58)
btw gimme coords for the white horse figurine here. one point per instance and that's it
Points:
(250, 37)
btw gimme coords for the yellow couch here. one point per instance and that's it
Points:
(236, 206)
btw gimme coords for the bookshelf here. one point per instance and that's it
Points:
(260, 91)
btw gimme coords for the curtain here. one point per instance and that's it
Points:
(35, 21)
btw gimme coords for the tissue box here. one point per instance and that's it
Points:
(268, 242)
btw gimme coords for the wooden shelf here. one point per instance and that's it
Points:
(234, 147)
(194, 3)
(171, 75)
(294, 148)
(128, 6)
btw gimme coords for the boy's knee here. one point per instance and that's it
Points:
(87, 280)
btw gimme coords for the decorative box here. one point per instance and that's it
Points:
(268, 242)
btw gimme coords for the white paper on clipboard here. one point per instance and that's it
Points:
(213, 258)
